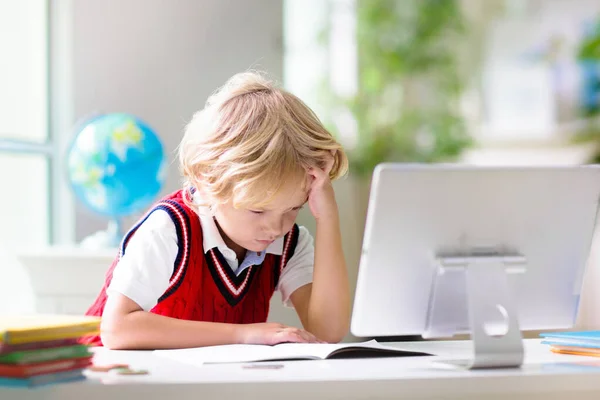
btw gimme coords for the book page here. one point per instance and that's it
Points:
(318, 350)
(233, 353)
(238, 353)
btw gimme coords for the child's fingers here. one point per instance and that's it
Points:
(317, 174)
(313, 338)
(307, 336)
(295, 335)
(329, 163)
(327, 166)
(289, 335)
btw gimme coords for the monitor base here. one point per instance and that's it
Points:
(481, 283)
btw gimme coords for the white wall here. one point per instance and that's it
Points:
(161, 59)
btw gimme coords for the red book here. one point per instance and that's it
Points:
(26, 371)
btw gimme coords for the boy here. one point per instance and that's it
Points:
(200, 267)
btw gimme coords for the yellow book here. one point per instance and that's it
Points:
(44, 327)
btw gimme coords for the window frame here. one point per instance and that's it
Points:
(58, 123)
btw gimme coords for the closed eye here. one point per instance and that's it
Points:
(257, 212)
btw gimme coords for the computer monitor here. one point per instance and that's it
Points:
(488, 251)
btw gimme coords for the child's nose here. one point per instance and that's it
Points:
(275, 228)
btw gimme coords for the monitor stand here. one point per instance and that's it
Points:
(471, 294)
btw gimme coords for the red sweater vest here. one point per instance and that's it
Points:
(203, 287)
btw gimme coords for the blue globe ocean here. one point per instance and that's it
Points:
(116, 165)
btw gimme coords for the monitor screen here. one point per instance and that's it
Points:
(535, 224)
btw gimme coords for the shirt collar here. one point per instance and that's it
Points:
(211, 237)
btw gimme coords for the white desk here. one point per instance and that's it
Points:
(544, 376)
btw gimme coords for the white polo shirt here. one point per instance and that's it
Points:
(143, 273)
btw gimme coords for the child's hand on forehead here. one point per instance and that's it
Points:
(321, 198)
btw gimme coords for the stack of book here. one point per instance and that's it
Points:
(584, 343)
(44, 349)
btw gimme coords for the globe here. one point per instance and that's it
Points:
(116, 165)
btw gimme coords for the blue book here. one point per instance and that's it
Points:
(590, 339)
(42, 380)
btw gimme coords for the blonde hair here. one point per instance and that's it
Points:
(250, 139)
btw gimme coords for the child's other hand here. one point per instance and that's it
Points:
(321, 198)
(273, 333)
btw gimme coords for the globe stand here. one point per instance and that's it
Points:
(109, 238)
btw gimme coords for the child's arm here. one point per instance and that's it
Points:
(126, 326)
(324, 305)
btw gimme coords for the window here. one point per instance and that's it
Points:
(27, 153)
(311, 62)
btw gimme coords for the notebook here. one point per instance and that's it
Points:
(49, 367)
(42, 355)
(578, 339)
(11, 348)
(37, 328)
(577, 351)
(46, 379)
(238, 353)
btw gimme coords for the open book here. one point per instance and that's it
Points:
(239, 353)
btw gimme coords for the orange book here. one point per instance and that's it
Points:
(29, 370)
(578, 351)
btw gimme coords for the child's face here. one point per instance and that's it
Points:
(255, 229)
